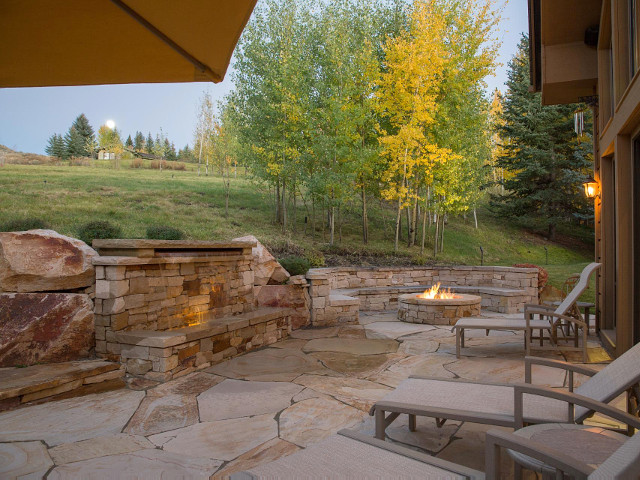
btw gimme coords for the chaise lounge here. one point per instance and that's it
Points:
(565, 318)
(353, 455)
(513, 405)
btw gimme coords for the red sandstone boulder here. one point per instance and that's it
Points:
(266, 269)
(44, 260)
(45, 327)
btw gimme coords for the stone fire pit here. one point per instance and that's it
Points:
(437, 311)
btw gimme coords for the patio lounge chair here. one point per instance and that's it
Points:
(563, 323)
(353, 455)
(624, 463)
(513, 405)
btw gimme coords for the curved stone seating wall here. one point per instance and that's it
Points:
(503, 289)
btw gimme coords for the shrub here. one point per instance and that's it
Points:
(92, 230)
(136, 163)
(295, 265)
(79, 162)
(178, 166)
(23, 224)
(315, 258)
(164, 232)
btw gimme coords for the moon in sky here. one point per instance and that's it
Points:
(111, 124)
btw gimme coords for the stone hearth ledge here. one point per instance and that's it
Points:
(160, 248)
(116, 260)
(209, 328)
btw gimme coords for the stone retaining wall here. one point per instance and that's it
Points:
(167, 292)
(325, 280)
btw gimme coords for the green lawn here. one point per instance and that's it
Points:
(67, 197)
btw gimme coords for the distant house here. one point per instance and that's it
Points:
(105, 155)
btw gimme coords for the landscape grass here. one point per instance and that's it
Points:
(66, 197)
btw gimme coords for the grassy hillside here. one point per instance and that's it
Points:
(68, 196)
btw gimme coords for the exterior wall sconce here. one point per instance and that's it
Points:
(591, 188)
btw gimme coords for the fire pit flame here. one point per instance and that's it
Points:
(435, 293)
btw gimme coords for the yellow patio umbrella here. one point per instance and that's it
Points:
(90, 42)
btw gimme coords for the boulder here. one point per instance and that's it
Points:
(45, 327)
(266, 269)
(44, 260)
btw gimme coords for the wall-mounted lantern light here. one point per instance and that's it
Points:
(591, 188)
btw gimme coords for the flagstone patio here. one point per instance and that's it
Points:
(265, 404)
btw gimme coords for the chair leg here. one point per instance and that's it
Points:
(412, 423)
(380, 424)
(517, 471)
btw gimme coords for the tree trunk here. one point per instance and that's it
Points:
(398, 224)
(332, 224)
(278, 213)
(435, 239)
(414, 221)
(424, 230)
(552, 231)
(365, 219)
(295, 209)
(442, 235)
(284, 208)
(313, 217)
(408, 209)
(475, 217)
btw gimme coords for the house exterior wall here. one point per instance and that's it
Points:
(616, 129)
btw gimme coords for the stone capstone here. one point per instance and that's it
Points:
(45, 327)
(266, 269)
(44, 260)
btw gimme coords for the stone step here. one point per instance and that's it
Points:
(44, 382)
(337, 300)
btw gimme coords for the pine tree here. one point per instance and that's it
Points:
(85, 131)
(55, 146)
(74, 145)
(138, 142)
(149, 144)
(128, 142)
(546, 160)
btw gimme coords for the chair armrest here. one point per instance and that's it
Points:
(552, 315)
(572, 399)
(538, 306)
(496, 439)
(547, 362)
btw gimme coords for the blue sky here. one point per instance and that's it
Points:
(29, 116)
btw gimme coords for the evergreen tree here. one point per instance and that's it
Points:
(55, 146)
(74, 144)
(128, 142)
(149, 144)
(138, 142)
(171, 152)
(85, 131)
(185, 154)
(546, 161)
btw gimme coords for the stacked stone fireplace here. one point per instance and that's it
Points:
(165, 308)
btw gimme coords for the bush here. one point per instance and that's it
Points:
(178, 166)
(295, 265)
(164, 232)
(92, 230)
(23, 224)
(136, 163)
(315, 258)
(79, 162)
